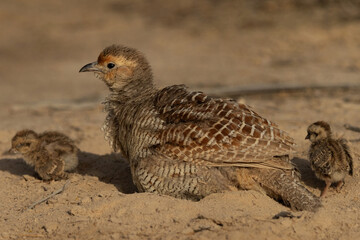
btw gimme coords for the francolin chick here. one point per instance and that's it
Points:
(51, 153)
(189, 145)
(330, 158)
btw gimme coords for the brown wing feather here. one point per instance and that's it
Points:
(216, 131)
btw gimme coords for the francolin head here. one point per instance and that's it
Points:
(52, 154)
(330, 159)
(189, 145)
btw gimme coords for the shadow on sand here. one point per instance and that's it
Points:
(109, 168)
(307, 174)
(113, 169)
(16, 166)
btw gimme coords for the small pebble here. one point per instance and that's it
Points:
(50, 227)
(28, 177)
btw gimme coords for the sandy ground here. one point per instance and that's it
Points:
(204, 45)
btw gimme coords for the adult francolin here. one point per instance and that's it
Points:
(187, 144)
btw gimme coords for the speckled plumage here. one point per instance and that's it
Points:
(330, 158)
(187, 144)
(51, 153)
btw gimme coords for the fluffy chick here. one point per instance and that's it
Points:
(330, 159)
(50, 153)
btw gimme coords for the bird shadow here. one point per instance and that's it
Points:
(16, 166)
(108, 168)
(113, 169)
(307, 174)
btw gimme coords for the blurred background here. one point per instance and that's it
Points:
(203, 43)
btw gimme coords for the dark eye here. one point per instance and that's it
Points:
(316, 134)
(22, 145)
(110, 65)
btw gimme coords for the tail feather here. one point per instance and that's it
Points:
(284, 187)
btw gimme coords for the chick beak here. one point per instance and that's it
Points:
(11, 151)
(91, 67)
(307, 136)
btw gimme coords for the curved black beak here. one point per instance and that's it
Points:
(307, 136)
(91, 67)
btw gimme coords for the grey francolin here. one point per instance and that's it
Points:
(330, 159)
(52, 154)
(187, 144)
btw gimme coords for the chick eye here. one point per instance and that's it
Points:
(110, 65)
(22, 145)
